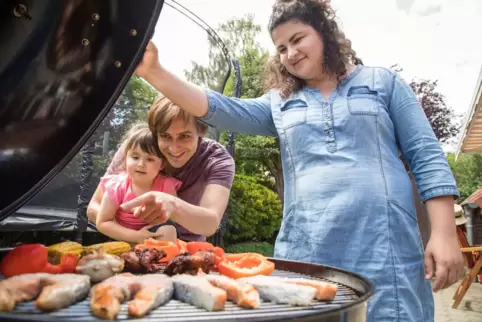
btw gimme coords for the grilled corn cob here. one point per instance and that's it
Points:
(68, 247)
(113, 248)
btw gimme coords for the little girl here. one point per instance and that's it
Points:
(142, 165)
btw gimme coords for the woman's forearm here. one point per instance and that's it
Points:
(198, 220)
(115, 231)
(190, 97)
(441, 215)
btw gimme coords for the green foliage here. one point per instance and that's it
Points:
(254, 211)
(262, 248)
(467, 171)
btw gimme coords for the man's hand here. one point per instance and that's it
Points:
(444, 260)
(153, 207)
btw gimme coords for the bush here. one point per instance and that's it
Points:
(262, 248)
(254, 212)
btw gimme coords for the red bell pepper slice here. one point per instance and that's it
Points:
(194, 247)
(33, 258)
(245, 265)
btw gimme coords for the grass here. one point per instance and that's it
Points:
(263, 248)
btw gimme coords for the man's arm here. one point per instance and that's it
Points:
(205, 218)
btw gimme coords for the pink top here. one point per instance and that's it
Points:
(118, 188)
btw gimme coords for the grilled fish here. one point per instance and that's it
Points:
(149, 292)
(279, 292)
(197, 291)
(51, 291)
(324, 291)
(244, 295)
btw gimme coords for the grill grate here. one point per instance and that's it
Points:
(176, 311)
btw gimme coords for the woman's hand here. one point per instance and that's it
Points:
(444, 260)
(150, 62)
(153, 207)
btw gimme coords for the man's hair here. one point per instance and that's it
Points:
(163, 112)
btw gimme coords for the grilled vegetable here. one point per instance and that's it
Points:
(33, 258)
(113, 248)
(245, 265)
(56, 251)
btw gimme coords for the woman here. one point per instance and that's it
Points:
(348, 199)
(204, 167)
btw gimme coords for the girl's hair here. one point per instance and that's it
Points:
(139, 135)
(337, 48)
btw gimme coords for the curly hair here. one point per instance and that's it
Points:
(337, 48)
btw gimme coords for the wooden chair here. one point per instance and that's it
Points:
(473, 260)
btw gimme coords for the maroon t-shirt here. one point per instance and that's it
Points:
(211, 164)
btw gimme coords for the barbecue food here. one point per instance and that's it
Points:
(99, 265)
(113, 248)
(149, 292)
(33, 258)
(56, 251)
(191, 263)
(324, 291)
(52, 291)
(197, 291)
(279, 292)
(156, 290)
(141, 261)
(244, 295)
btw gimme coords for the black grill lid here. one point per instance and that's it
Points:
(63, 64)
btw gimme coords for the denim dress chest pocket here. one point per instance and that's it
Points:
(293, 112)
(362, 100)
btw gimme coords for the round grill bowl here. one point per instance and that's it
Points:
(350, 304)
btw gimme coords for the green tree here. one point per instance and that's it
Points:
(257, 156)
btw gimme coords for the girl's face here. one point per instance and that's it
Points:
(179, 143)
(300, 49)
(142, 166)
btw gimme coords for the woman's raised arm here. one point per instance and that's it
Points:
(251, 116)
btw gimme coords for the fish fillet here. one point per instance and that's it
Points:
(324, 291)
(197, 291)
(244, 295)
(51, 291)
(281, 293)
(148, 292)
(156, 290)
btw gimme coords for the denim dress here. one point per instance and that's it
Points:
(348, 200)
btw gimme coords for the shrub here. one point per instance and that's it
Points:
(254, 212)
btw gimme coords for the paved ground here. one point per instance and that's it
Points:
(469, 310)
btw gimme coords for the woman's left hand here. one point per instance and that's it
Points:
(444, 260)
(153, 207)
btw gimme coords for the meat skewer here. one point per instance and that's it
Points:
(51, 291)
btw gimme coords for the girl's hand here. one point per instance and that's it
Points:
(444, 260)
(150, 62)
(153, 207)
(144, 234)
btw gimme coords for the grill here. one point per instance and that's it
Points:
(350, 304)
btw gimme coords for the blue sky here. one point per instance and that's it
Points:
(433, 39)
